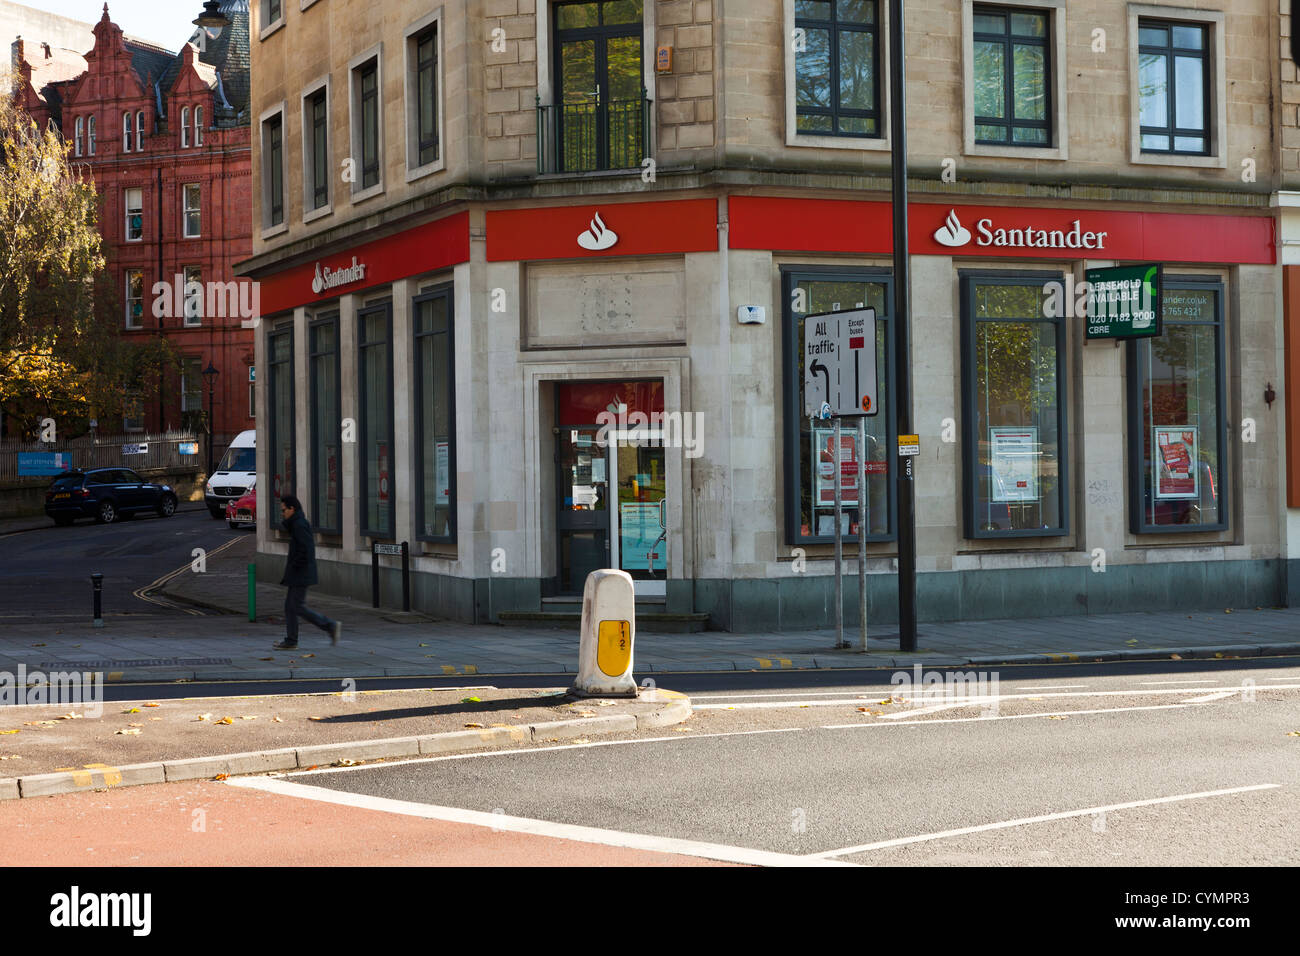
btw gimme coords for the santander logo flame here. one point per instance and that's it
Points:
(318, 283)
(599, 236)
(952, 232)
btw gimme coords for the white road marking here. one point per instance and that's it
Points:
(1055, 687)
(1207, 681)
(966, 720)
(881, 689)
(916, 713)
(828, 854)
(559, 831)
(533, 750)
(1282, 678)
(1206, 698)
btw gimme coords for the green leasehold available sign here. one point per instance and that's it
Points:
(1124, 302)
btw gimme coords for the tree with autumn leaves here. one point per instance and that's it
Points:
(60, 353)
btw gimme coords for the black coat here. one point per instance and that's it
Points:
(300, 569)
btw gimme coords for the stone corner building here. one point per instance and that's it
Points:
(504, 247)
(165, 137)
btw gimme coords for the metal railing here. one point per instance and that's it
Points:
(106, 452)
(589, 137)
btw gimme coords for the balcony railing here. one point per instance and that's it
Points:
(588, 137)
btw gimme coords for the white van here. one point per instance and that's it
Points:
(236, 474)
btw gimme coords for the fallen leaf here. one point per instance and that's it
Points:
(1175, 657)
(308, 655)
(254, 717)
(1035, 698)
(276, 720)
(153, 705)
(38, 645)
(424, 645)
(344, 763)
(1055, 717)
(128, 731)
(1227, 610)
(606, 703)
(1131, 641)
(1292, 733)
(801, 706)
(226, 720)
(474, 726)
(266, 658)
(315, 718)
(72, 717)
(581, 740)
(155, 718)
(887, 700)
(733, 708)
(313, 766)
(861, 710)
(204, 717)
(135, 725)
(133, 710)
(683, 730)
(11, 757)
(471, 700)
(222, 776)
(8, 731)
(583, 713)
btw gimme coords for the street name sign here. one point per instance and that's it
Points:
(840, 362)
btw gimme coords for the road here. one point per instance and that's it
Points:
(1116, 766)
(45, 574)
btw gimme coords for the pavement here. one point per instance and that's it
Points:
(218, 642)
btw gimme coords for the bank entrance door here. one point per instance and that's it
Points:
(611, 484)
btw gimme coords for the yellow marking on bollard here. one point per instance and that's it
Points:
(613, 646)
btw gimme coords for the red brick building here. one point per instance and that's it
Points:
(165, 137)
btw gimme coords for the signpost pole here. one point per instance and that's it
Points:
(902, 337)
(838, 458)
(862, 531)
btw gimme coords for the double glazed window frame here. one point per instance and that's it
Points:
(793, 413)
(442, 291)
(273, 171)
(358, 67)
(330, 522)
(1171, 51)
(967, 280)
(881, 139)
(1136, 381)
(384, 307)
(1009, 41)
(129, 210)
(134, 324)
(193, 300)
(317, 196)
(191, 215)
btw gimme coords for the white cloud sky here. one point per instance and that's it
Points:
(166, 23)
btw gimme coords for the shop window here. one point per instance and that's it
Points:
(837, 72)
(809, 445)
(435, 416)
(1015, 461)
(280, 427)
(375, 386)
(1012, 67)
(326, 425)
(1174, 87)
(1177, 428)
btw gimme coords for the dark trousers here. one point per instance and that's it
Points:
(294, 608)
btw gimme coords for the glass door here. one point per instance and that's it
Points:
(582, 508)
(599, 82)
(639, 524)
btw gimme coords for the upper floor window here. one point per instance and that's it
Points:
(126, 132)
(193, 213)
(198, 126)
(426, 86)
(273, 170)
(90, 136)
(193, 295)
(134, 299)
(316, 155)
(837, 78)
(185, 127)
(1012, 77)
(134, 199)
(139, 132)
(367, 106)
(274, 12)
(1174, 87)
(81, 133)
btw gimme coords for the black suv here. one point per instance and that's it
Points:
(106, 494)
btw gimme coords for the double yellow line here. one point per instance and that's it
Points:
(146, 593)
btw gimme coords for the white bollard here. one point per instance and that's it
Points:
(608, 630)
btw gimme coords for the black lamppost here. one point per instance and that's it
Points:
(210, 374)
(212, 18)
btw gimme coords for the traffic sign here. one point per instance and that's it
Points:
(840, 362)
(909, 446)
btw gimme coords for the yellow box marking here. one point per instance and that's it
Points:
(448, 669)
(112, 776)
(764, 662)
(785, 662)
(614, 647)
(471, 669)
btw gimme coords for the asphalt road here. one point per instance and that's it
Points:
(45, 574)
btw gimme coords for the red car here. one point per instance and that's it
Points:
(242, 510)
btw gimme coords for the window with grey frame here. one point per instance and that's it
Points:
(1015, 460)
(326, 424)
(837, 68)
(1174, 87)
(375, 389)
(1177, 422)
(809, 446)
(368, 112)
(435, 404)
(1012, 77)
(320, 178)
(426, 91)
(281, 422)
(275, 169)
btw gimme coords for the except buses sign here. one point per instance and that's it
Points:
(1124, 302)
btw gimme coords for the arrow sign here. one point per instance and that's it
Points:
(840, 362)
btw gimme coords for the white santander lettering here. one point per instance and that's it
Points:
(982, 227)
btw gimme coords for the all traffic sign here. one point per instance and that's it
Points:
(840, 362)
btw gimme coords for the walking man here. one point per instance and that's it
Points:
(299, 575)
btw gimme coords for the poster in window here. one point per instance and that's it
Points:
(332, 474)
(1013, 463)
(823, 476)
(638, 530)
(442, 474)
(1175, 462)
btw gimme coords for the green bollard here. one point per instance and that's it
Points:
(252, 593)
